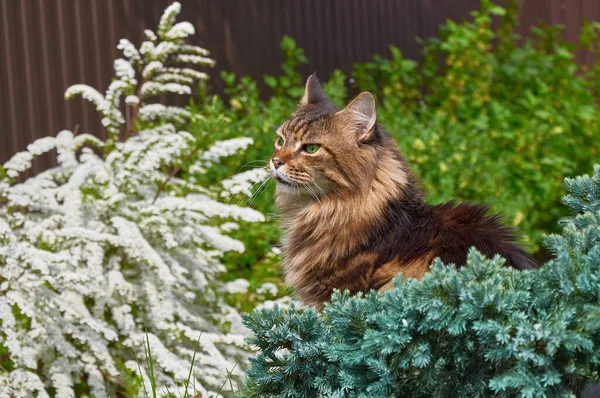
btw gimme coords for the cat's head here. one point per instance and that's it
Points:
(322, 150)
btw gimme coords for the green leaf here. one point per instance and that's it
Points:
(497, 10)
(270, 81)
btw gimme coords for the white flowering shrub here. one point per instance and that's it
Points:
(158, 67)
(112, 246)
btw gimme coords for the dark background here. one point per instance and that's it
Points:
(48, 45)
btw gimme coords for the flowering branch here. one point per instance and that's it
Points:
(92, 257)
(157, 67)
(174, 172)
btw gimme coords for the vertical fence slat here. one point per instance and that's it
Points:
(10, 118)
(28, 132)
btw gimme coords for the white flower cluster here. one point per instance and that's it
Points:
(156, 112)
(93, 258)
(144, 74)
(242, 183)
(223, 149)
(238, 286)
(89, 261)
(268, 288)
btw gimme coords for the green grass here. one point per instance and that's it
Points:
(153, 385)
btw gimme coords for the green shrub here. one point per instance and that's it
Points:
(481, 331)
(487, 119)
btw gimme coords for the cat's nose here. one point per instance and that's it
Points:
(278, 162)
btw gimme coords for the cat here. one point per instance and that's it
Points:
(353, 214)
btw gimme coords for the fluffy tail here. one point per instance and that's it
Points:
(518, 259)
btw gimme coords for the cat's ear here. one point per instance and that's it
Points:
(361, 115)
(313, 93)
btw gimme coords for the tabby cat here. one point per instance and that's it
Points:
(353, 214)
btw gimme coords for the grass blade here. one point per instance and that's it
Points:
(187, 382)
(150, 366)
(141, 375)
(229, 373)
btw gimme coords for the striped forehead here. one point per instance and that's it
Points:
(293, 129)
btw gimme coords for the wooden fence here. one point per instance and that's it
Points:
(48, 45)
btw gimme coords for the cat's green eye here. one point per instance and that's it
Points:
(280, 141)
(312, 148)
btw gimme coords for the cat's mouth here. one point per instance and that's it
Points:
(281, 177)
(282, 181)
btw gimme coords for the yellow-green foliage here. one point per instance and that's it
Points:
(487, 119)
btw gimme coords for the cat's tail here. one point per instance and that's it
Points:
(518, 259)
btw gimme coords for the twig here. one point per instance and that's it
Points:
(131, 113)
(173, 172)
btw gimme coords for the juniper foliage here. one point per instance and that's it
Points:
(480, 331)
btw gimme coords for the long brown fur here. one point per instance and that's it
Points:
(353, 213)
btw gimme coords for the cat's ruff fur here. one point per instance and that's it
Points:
(353, 214)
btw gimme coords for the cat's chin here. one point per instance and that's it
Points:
(286, 188)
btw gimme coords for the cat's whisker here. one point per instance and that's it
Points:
(241, 167)
(270, 201)
(260, 189)
(263, 188)
(311, 192)
(314, 194)
(274, 216)
(250, 199)
(251, 163)
(321, 189)
(245, 196)
(231, 196)
(318, 200)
